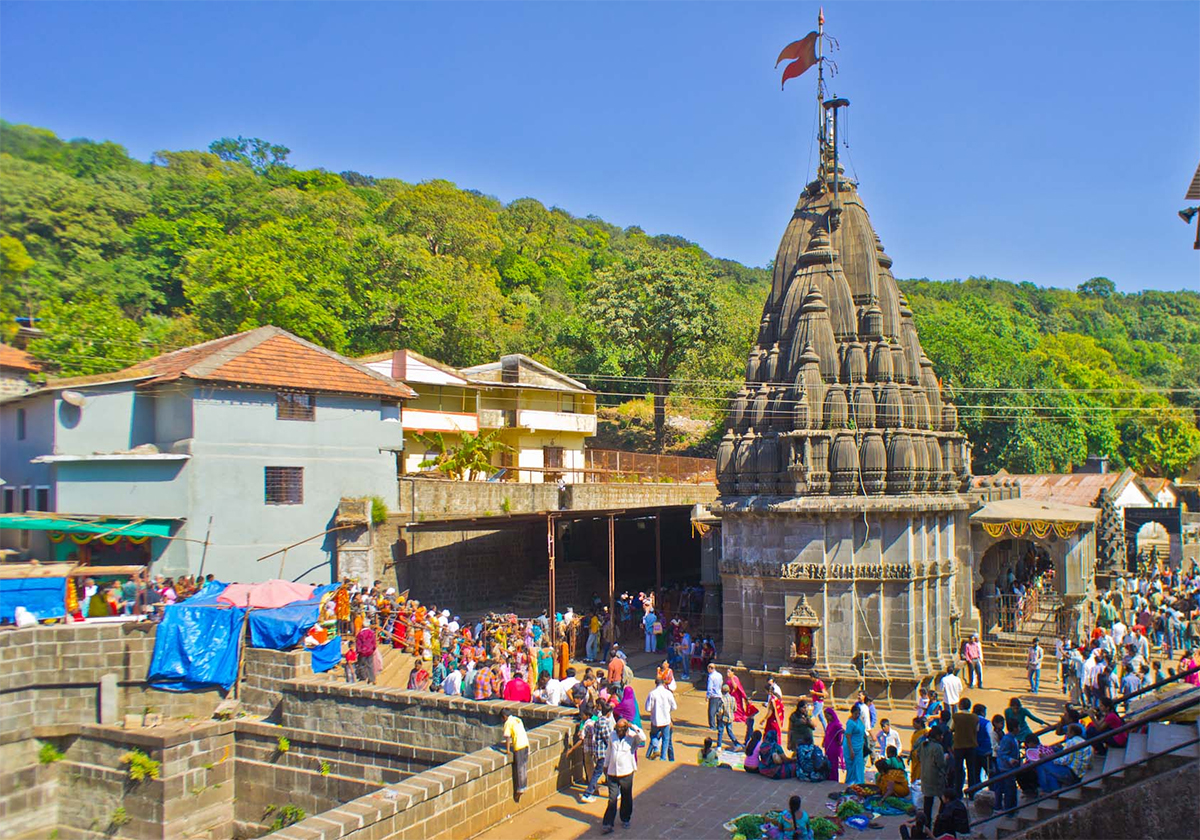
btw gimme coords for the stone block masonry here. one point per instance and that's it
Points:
(417, 719)
(458, 799)
(358, 760)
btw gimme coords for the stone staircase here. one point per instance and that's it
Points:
(534, 596)
(1130, 766)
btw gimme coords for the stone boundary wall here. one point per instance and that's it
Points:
(29, 794)
(377, 762)
(50, 677)
(419, 719)
(456, 800)
(193, 796)
(1162, 806)
(265, 674)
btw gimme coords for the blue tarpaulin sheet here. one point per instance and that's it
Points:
(284, 627)
(197, 647)
(197, 643)
(326, 656)
(43, 597)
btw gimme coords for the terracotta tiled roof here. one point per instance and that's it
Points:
(267, 357)
(14, 359)
(1081, 489)
(1156, 485)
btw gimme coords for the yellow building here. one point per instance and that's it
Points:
(543, 416)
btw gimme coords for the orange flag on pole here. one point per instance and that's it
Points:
(803, 54)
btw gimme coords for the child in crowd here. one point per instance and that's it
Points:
(349, 661)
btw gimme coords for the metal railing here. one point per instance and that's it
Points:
(1125, 698)
(1106, 735)
(613, 465)
(1055, 794)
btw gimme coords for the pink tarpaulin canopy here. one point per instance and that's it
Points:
(267, 595)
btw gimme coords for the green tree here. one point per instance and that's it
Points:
(88, 335)
(656, 306)
(450, 221)
(470, 458)
(259, 155)
(289, 273)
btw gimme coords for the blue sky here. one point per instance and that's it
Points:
(1043, 142)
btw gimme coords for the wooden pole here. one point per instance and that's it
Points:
(550, 557)
(204, 554)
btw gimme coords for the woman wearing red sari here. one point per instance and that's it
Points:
(774, 721)
(746, 710)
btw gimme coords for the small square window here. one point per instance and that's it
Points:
(283, 485)
(26, 499)
(10, 499)
(42, 498)
(293, 406)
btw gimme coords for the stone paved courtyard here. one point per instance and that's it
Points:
(683, 800)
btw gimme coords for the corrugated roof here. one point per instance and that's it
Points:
(1006, 510)
(267, 357)
(14, 359)
(1081, 489)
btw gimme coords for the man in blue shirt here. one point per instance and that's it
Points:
(713, 693)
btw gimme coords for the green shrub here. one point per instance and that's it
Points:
(284, 816)
(48, 754)
(379, 511)
(141, 766)
(325, 768)
(119, 818)
(283, 744)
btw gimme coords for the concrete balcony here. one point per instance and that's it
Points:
(556, 421)
(424, 420)
(497, 418)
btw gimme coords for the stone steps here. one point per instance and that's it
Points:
(1128, 765)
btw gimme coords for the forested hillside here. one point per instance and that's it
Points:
(119, 259)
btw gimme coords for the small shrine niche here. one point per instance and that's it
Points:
(804, 623)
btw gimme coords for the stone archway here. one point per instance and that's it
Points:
(1171, 521)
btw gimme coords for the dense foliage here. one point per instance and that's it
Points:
(119, 259)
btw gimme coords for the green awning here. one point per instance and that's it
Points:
(111, 526)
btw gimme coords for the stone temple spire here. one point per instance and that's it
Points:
(849, 402)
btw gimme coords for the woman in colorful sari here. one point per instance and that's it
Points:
(855, 747)
(628, 707)
(746, 710)
(833, 742)
(772, 760)
(891, 778)
(419, 679)
(774, 722)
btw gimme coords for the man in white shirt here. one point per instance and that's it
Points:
(660, 704)
(619, 768)
(951, 687)
(713, 693)
(553, 692)
(452, 685)
(565, 686)
(888, 737)
(1118, 633)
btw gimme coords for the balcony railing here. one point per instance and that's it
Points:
(609, 465)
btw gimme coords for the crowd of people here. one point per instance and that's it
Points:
(1145, 632)
(137, 595)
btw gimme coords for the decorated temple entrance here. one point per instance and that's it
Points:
(1030, 557)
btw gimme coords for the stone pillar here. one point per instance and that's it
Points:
(710, 579)
(109, 701)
